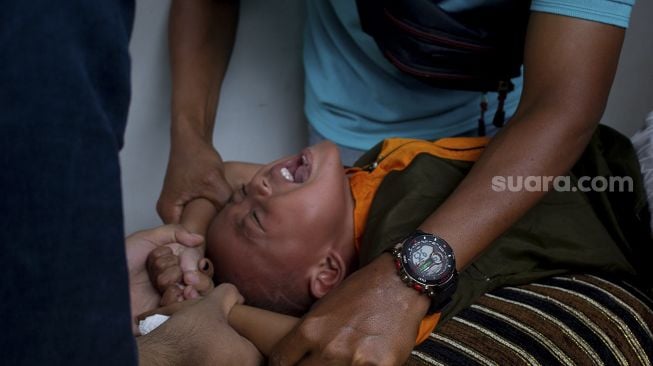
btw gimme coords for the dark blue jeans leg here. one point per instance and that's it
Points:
(64, 94)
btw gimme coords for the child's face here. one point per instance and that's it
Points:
(282, 221)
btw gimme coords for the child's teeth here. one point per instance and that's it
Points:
(304, 160)
(286, 174)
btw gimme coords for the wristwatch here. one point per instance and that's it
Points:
(426, 263)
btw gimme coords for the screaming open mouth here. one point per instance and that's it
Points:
(297, 170)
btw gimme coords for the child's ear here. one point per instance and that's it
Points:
(327, 275)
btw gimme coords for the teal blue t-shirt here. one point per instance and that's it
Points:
(356, 98)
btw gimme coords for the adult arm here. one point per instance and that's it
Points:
(263, 328)
(199, 335)
(201, 36)
(569, 68)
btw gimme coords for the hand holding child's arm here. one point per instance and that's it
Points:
(164, 269)
(261, 327)
(198, 334)
(138, 246)
(174, 269)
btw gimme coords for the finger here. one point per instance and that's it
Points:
(206, 267)
(289, 351)
(160, 264)
(170, 213)
(169, 277)
(189, 259)
(212, 301)
(229, 290)
(159, 252)
(169, 234)
(189, 239)
(169, 309)
(191, 293)
(157, 265)
(369, 353)
(199, 281)
(220, 198)
(339, 350)
(216, 188)
(150, 262)
(172, 294)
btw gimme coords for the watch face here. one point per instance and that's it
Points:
(426, 260)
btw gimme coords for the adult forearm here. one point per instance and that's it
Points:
(201, 37)
(477, 212)
(569, 69)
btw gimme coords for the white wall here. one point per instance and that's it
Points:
(261, 108)
(631, 97)
(260, 116)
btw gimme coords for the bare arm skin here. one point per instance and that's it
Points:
(198, 334)
(569, 68)
(201, 36)
(261, 327)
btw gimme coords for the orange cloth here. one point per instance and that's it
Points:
(397, 154)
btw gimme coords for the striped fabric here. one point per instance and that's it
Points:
(569, 320)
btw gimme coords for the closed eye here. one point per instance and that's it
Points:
(256, 219)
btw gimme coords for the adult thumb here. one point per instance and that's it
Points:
(188, 238)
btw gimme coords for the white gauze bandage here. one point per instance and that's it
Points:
(151, 322)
